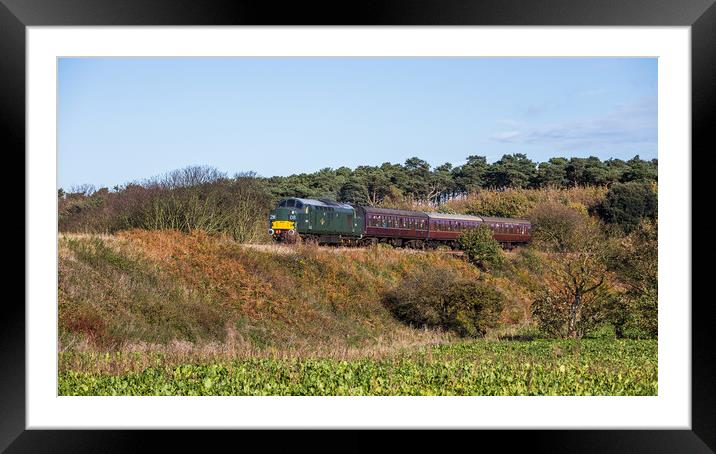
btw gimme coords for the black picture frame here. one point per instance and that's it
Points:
(16, 15)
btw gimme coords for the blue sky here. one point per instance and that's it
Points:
(124, 119)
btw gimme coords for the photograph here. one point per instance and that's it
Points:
(437, 216)
(357, 226)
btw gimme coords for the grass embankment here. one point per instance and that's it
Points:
(150, 289)
(541, 367)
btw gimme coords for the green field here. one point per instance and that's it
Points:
(536, 367)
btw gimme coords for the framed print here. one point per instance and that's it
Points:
(312, 242)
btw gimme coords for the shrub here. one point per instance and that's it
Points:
(481, 247)
(634, 259)
(556, 227)
(564, 313)
(442, 300)
(194, 198)
(509, 203)
(626, 204)
(574, 293)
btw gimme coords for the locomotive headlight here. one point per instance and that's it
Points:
(270, 231)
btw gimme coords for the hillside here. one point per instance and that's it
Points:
(150, 289)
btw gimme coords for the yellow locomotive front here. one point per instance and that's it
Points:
(283, 221)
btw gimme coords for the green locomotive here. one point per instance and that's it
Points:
(321, 220)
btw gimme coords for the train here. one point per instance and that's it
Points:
(328, 222)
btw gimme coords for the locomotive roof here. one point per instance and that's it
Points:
(391, 212)
(454, 217)
(321, 203)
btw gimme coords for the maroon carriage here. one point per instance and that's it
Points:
(508, 230)
(447, 227)
(398, 227)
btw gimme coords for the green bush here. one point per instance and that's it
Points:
(626, 204)
(634, 260)
(481, 247)
(442, 300)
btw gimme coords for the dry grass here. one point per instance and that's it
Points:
(208, 295)
(137, 356)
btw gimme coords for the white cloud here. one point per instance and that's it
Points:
(634, 123)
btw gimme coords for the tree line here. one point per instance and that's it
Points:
(418, 181)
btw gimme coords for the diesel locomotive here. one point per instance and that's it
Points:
(325, 221)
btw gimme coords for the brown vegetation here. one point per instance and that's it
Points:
(157, 287)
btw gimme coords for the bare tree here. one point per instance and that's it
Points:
(574, 293)
(84, 189)
(190, 176)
